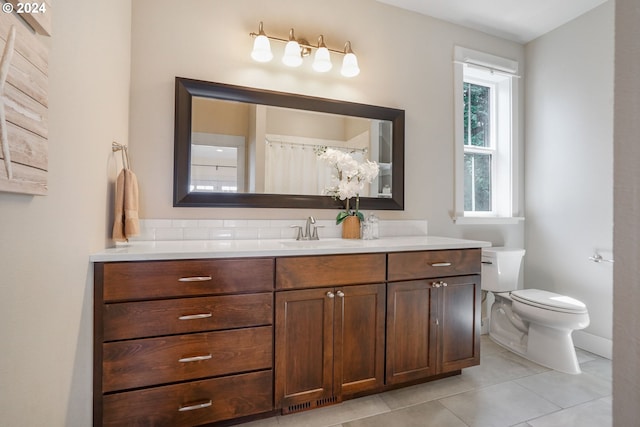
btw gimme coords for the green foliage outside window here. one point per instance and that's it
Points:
(477, 166)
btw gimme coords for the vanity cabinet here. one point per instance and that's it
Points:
(195, 342)
(329, 339)
(182, 343)
(433, 313)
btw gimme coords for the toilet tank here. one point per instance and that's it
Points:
(501, 268)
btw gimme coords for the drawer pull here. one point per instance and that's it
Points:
(195, 316)
(195, 279)
(441, 264)
(195, 406)
(195, 358)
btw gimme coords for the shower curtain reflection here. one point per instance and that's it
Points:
(292, 167)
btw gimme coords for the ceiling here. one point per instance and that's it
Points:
(517, 20)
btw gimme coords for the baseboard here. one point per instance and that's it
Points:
(592, 343)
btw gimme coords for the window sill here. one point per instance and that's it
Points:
(486, 220)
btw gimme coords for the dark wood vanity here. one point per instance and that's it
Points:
(198, 341)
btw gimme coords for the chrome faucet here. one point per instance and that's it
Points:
(307, 234)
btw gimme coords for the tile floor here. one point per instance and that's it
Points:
(504, 391)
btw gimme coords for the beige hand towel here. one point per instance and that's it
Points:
(126, 222)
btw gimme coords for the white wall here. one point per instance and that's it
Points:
(626, 335)
(406, 62)
(46, 295)
(569, 167)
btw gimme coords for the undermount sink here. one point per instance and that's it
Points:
(337, 243)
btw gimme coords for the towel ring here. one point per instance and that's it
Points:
(115, 147)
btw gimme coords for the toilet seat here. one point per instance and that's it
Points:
(549, 301)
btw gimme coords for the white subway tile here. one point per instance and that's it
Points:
(169, 234)
(222, 234)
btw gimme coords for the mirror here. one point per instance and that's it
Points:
(243, 147)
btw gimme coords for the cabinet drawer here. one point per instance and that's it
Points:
(151, 361)
(176, 316)
(162, 279)
(192, 403)
(330, 270)
(425, 264)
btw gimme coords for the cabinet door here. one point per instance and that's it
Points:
(304, 349)
(411, 337)
(359, 338)
(459, 331)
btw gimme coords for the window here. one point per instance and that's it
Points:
(486, 180)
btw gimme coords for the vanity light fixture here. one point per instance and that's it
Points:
(261, 47)
(292, 52)
(296, 49)
(322, 60)
(350, 62)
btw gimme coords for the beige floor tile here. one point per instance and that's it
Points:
(599, 366)
(430, 414)
(501, 405)
(488, 346)
(591, 414)
(422, 393)
(499, 367)
(567, 390)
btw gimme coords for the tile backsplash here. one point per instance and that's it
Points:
(240, 229)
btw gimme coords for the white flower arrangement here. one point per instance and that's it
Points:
(349, 180)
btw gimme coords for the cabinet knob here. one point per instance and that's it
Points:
(340, 294)
(435, 284)
(444, 284)
(330, 294)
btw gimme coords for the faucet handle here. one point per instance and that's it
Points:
(299, 235)
(314, 235)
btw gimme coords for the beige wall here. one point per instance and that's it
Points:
(222, 117)
(626, 326)
(406, 62)
(46, 294)
(569, 167)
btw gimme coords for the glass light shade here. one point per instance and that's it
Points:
(261, 49)
(322, 60)
(350, 65)
(292, 57)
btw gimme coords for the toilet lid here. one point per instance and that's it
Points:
(549, 300)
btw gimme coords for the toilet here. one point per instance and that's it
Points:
(533, 323)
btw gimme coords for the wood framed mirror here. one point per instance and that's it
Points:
(243, 147)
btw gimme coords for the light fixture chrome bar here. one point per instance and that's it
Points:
(302, 42)
(296, 49)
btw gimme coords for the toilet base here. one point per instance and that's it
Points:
(536, 344)
(544, 345)
(552, 348)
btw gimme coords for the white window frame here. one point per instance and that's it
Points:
(501, 75)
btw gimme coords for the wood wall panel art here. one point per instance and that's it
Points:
(24, 97)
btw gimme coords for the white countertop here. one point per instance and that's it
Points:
(194, 249)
